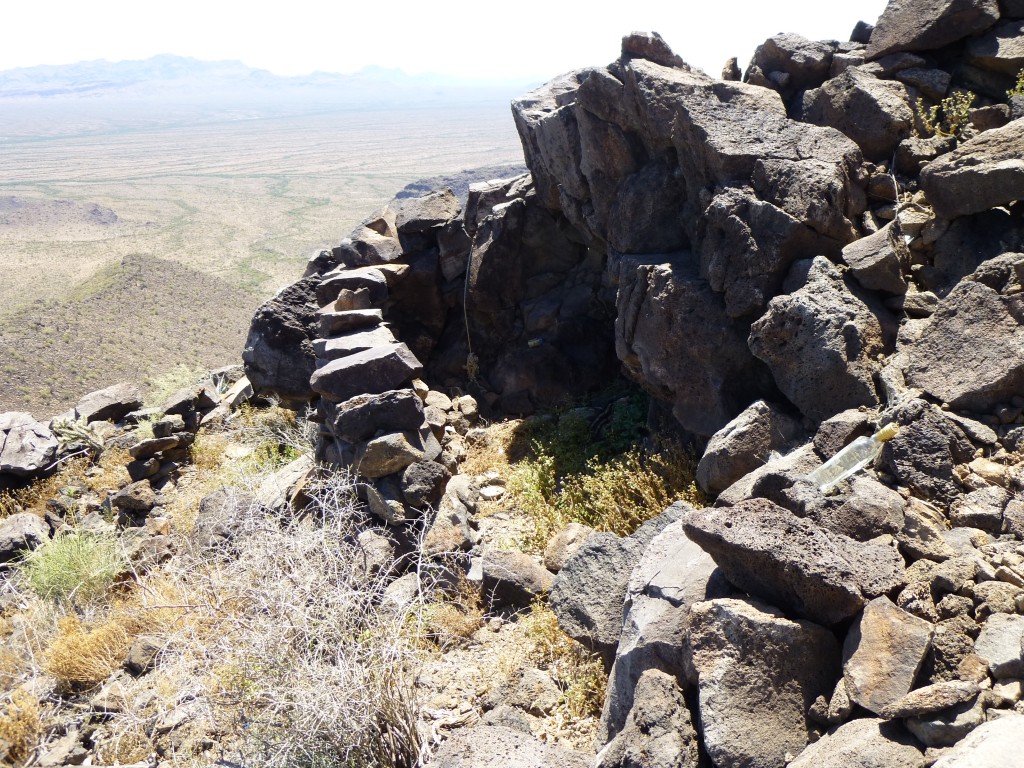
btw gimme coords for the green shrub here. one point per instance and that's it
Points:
(950, 117)
(1018, 87)
(617, 494)
(78, 567)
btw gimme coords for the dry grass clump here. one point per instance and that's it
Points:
(539, 642)
(129, 744)
(593, 465)
(20, 727)
(33, 497)
(82, 657)
(73, 476)
(616, 495)
(78, 567)
(452, 618)
(494, 449)
(254, 443)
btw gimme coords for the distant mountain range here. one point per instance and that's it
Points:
(181, 78)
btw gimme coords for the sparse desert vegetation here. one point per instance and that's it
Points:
(128, 251)
(225, 628)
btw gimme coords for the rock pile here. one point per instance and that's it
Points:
(110, 418)
(787, 259)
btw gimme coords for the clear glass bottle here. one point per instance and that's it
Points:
(853, 458)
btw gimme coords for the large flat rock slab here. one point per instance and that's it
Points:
(27, 447)
(110, 404)
(372, 371)
(769, 552)
(344, 344)
(924, 25)
(982, 173)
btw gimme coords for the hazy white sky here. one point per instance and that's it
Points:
(521, 38)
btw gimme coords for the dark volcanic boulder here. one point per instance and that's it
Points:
(758, 674)
(821, 342)
(863, 743)
(496, 746)
(744, 444)
(806, 63)
(874, 113)
(971, 352)
(20, 533)
(396, 410)
(673, 575)
(417, 214)
(589, 590)
(923, 25)
(879, 260)
(674, 338)
(982, 173)
(769, 552)
(1000, 49)
(659, 731)
(278, 352)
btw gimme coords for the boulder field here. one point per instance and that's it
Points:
(786, 259)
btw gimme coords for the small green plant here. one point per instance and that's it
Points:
(78, 567)
(950, 117)
(616, 495)
(1018, 87)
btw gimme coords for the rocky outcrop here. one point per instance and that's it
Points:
(811, 251)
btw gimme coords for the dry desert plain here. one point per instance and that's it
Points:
(131, 248)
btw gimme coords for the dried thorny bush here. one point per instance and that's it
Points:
(81, 656)
(20, 727)
(306, 666)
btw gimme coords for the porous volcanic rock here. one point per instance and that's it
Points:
(769, 552)
(820, 342)
(755, 685)
(922, 25)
